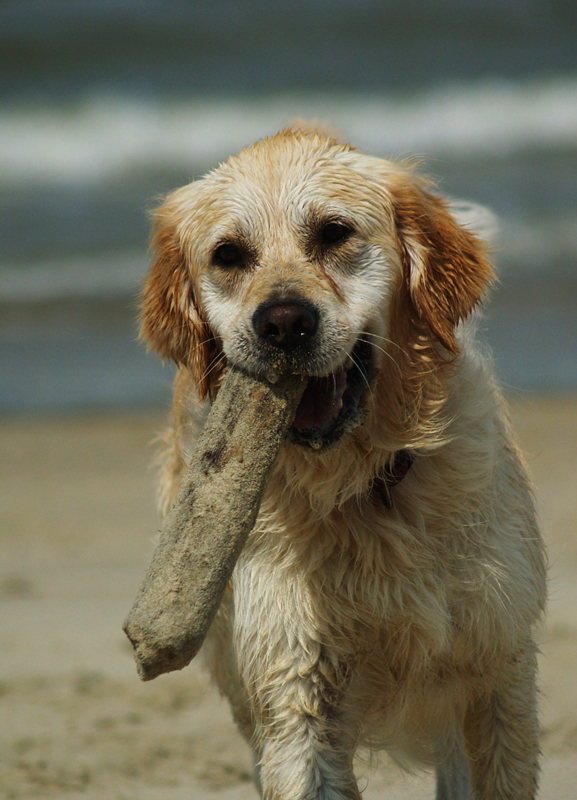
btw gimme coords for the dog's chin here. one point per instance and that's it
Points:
(331, 406)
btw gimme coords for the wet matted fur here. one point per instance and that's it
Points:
(404, 626)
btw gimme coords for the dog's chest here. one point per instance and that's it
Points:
(355, 578)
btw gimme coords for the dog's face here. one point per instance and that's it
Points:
(301, 254)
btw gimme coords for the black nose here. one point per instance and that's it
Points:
(285, 325)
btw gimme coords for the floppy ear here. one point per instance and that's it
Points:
(171, 319)
(446, 269)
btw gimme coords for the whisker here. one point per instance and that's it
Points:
(200, 344)
(384, 338)
(213, 365)
(382, 349)
(363, 373)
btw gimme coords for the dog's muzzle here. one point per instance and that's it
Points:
(330, 405)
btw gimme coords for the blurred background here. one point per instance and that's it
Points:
(106, 105)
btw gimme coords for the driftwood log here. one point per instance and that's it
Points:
(208, 525)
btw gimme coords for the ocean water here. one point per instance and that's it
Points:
(77, 179)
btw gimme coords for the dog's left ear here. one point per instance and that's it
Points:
(446, 269)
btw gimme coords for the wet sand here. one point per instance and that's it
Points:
(77, 527)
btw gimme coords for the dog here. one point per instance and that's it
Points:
(388, 593)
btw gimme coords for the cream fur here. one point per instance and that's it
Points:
(349, 624)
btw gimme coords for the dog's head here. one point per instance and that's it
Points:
(302, 254)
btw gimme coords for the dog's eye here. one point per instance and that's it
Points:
(227, 255)
(334, 232)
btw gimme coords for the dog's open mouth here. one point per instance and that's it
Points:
(330, 405)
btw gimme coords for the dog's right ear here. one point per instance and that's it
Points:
(171, 319)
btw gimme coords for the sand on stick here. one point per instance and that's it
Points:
(214, 512)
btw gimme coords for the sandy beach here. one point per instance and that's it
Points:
(78, 522)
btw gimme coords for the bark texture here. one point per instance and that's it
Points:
(206, 529)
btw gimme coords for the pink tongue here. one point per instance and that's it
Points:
(321, 401)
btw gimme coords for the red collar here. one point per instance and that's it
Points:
(392, 475)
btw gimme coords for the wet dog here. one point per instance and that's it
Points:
(387, 594)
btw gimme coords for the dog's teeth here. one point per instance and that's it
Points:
(348, 363)
(272, 376)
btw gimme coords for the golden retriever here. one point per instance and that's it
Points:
(387, 594)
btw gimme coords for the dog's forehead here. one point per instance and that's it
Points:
(285, 178)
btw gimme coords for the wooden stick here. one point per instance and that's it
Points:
(214, 512)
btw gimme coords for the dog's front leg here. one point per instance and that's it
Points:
(501, 734)
(307, 749)
(304, 735)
